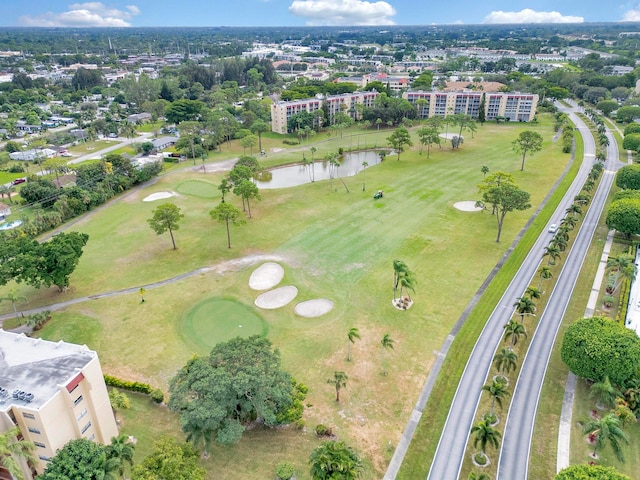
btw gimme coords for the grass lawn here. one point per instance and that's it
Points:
(332, 244)
(87, 147)
(149, 127)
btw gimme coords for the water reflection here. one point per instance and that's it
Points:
(294, 175)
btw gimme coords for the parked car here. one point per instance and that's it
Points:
(553, 228)
(18, 181)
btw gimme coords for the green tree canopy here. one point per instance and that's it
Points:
(81, 460)
(170, 460)
(597, 347)
(240, 382)
(506, 198)
(590, 472)
(527, 142)
(399, 139)
(624, 216)
(166, 217)
(628, 177)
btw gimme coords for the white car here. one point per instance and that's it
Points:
(553, 228)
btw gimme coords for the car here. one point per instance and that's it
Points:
(18, 181)
(553, 228)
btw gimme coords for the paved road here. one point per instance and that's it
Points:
(516, 442)
(449, 455)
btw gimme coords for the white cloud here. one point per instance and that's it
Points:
(632, 15)
(530, 16)
(343, 12)
(89, 14)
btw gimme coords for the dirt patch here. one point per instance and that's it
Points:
(467, 206)
(266, 276)
(276, 298)
(313, 308)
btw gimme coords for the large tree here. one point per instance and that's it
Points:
(166, 217)
(597, 347)
(227, 213)
(628, 177)
(399, 139)
(428, 136)
(590, 472)
(333, 461)
(240, 382)
(81, 459)
(527, 142)
(624, 216)
(170, 460)
(506, 198)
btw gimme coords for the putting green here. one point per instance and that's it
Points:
(198, 188)
(217, 320)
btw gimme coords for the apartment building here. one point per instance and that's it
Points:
(281, 112)
(517, 107)
(55, 392)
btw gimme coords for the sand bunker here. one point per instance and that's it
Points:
(313, 308)
(276, 298)
(158, 196)
(467, 206)
(266, 276)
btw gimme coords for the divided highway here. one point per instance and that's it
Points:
(449, 455)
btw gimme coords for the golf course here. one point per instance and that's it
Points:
(334, 242)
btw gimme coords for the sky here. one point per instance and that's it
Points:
(211, 13)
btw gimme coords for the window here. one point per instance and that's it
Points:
(28, 415)
(77, 400)
(42, 457)
(34, 430)
(86, 427)
(82, 414)
(38, 444)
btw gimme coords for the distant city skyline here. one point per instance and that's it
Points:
(205, 13)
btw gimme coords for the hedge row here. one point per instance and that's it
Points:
(133, 386)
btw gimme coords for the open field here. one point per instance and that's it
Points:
(332, 244)
(87, 147)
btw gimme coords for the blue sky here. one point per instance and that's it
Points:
(141, 13)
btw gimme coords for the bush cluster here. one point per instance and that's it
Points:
(127, 385)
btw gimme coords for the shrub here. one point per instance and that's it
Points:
(285, 470)
(16, 168)
(127, 385)
(608, 301)
(480, 458)
(323, 431)
(37, 320)
(157, 395)
(290, 141)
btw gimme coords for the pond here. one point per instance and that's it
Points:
(294, 175)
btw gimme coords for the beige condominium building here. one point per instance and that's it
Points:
(516, 107)
(55, 392)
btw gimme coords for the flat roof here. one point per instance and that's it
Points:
(38, 367)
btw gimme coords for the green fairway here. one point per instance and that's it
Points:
(332, 244)
(217, 320)
(198, 188)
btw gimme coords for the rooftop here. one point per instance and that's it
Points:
(38, 367)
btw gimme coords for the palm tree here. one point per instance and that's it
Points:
(624, 267)
(497, 390)
(122, 449)
(606, 429)
(365, 164)
(604, 393)
(11, 449)
(387, 344)
(6, 190)
(505, 360)
(580, 199)
(352, 335)
(407, 282)
(339, 380)
(515, 330)
(524, 306)
(479, 476)
(484, 170)
(545, 274)
(484, 434)
(560, 241)
(574, 210)
(553, 252)
(400, 269)
(14, 298)
(533, 292)
(335, 460)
